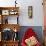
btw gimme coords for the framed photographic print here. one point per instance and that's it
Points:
(5, 12)
(30, 11)
(13, 12)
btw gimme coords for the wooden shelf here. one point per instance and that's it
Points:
(4, 13)
(9, 7)
(11, 26)
(9, 43)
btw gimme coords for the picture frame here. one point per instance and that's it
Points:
(30, 11)
(13, 12)
(5, 12)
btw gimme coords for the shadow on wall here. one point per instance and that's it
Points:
(37, 29)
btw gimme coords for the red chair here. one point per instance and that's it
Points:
(29, 33)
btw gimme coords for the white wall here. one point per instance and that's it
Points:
(37, 19)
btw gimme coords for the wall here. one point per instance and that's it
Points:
(24, 20)
(37, 19)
